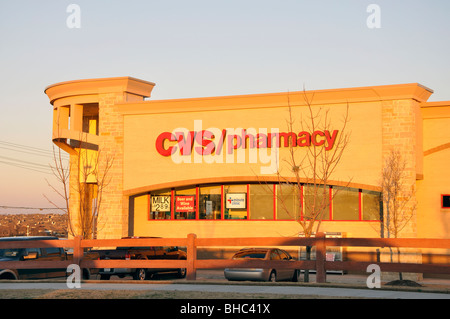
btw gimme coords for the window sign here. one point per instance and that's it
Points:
(160, 203)
(236, 201)
(185, 203)
(209, 207)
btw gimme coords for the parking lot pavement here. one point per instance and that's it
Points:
(346, 279)
(352, 281)
(214, 281)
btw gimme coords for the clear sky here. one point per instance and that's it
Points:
(201, 48)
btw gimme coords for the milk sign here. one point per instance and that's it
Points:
(160, 203)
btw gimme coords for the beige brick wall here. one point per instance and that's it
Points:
(399, 133)
(113, 219)
(74, 196)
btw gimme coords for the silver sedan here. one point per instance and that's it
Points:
(262, 274)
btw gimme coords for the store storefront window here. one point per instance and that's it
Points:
(235, 198)
(371, 204)
(185, 203)
(345, 203)
(210, 202)
(316, 201)
(160, 205)
(289, 201)
(261, 201)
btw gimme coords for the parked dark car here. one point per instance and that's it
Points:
(38, 254)
(149, 253)
(262, 274)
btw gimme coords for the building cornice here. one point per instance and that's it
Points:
(74, 90)
(411, 91)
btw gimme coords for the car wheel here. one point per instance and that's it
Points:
(273, 276)
(181, 273)
(140, 274)
(86, 274)
(105, 277)
(296, 276)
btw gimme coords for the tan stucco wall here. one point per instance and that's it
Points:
(375, 127)
(434, 221)
(145, 167)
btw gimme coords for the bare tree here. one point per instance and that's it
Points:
(61, 171)
(312, 168)
(82, 192)
(398, 202)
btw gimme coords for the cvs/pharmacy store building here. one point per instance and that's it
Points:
(209, 165)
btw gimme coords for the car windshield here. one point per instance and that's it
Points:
(260, 254)
(10, 252)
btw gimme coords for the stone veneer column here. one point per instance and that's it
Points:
(399, 132)
(113, 218)
(74, 196)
